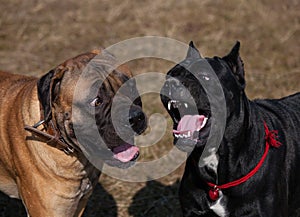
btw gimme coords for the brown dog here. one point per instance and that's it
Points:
(45, 166)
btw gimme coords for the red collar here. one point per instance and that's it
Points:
(270, 138)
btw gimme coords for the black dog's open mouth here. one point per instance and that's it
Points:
(187, 124)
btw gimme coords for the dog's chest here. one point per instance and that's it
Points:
(219, 206)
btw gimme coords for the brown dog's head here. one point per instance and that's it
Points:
(83, 94)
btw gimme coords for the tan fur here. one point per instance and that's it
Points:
(50, 182)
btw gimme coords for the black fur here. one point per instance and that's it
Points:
(274, 191)
(44, 93)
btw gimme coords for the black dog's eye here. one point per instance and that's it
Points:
(96, 102)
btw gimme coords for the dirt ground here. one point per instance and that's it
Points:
(37, 35)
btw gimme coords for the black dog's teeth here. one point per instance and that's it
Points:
(176, 104)
(177, 109)
(172, 104)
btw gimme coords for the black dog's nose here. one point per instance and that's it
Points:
(137, 120)
(172, 83)
(174, 89)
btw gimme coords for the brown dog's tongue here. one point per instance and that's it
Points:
(125, 152)
(190, 123)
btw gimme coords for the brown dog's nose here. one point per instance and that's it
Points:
(137, 120)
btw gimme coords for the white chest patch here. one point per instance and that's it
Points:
(212, 160)
(219, 207)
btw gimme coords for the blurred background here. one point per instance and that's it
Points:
(37, 35)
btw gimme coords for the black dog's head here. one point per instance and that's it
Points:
(190, 91)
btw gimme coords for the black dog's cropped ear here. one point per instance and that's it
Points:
(47, 87)
(236, 64)
(193, 52)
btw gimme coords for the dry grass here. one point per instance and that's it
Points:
(37, 35)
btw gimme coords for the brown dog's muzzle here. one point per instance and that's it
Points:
(137, 119)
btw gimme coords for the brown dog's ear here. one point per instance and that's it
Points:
(48, 88)
(236, 64)
(193, 52)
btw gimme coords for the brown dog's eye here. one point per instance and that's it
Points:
(96, 102)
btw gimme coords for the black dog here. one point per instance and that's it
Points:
(254, 169)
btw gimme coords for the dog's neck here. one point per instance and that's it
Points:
(236, 156)
(241, 150)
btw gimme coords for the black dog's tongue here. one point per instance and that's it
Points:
(189, 124)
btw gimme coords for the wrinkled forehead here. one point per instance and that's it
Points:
(85, 74)
(99, 81)
(108, 74)
(91, 84)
